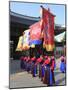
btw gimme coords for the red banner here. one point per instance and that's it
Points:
(48, 29)
(35, 31)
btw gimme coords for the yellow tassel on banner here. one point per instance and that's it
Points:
(49, 47)
(25, 47)
(19, 46)
(32, 46)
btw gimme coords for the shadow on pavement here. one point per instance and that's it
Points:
(60, 81)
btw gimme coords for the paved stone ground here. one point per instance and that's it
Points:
(20, 78)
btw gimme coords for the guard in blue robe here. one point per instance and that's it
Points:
(33, 66)
(25, 63)
(62, 66)
(42, 72)
(27, 67)
(22, 62)
(28, 64)
(34, 69)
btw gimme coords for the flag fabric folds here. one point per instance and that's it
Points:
(44, 28)
(35, 33)
(23, 43)
(26, 38)
(48, 29)
(20, 44)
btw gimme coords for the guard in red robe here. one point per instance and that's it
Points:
(52, 66)
(46, 64)
(49, 71)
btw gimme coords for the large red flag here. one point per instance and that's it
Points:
(48, 29)
(35, 31)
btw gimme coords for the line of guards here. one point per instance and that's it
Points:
(46, 68)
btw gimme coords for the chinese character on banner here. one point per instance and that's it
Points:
(48, 29)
